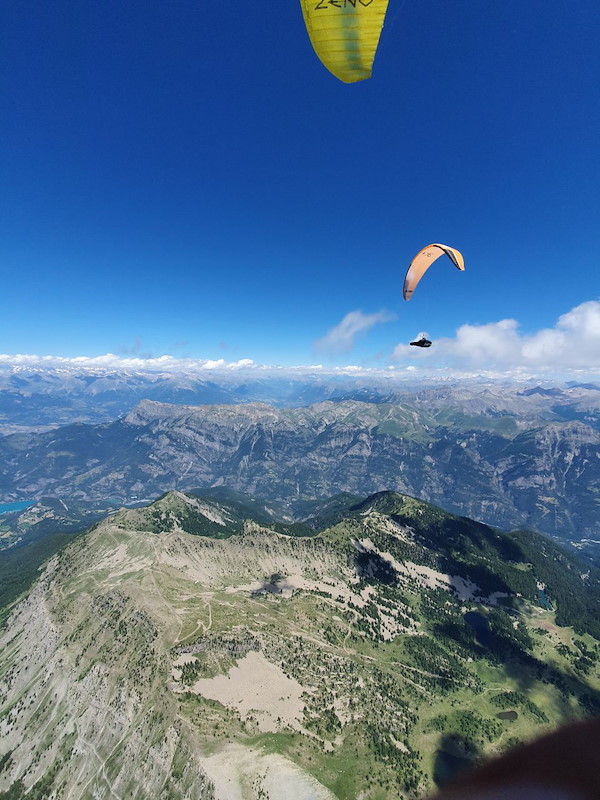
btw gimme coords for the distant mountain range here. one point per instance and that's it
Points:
(506, 459)
(37, 398)
(42, 397)
(190, 650)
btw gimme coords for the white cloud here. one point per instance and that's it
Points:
(572, 344)
(341, 338)
(243, 363)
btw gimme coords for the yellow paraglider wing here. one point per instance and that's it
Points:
(424, 259)
(345, 34)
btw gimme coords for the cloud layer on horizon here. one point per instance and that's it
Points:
(111, 361)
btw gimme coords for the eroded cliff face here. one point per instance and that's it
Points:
(543, 475)
(86, 711)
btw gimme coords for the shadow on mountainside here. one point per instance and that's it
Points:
(455, 754)
(372, 568)
(510, 648)
(575, 697)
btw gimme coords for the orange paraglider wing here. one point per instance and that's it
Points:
(424, 259)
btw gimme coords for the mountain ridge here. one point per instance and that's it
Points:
(322, 666)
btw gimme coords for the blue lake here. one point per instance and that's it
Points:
(4, 507)
(544, 600)
(510, 715)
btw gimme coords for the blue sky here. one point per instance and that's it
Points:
(187, 178)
